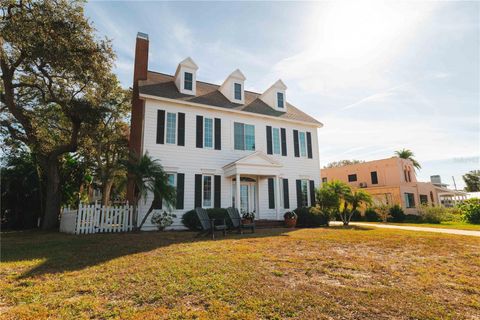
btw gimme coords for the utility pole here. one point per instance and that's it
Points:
(454, 184)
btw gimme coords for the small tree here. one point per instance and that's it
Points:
(148, 176)
(353, 200)
(472, 180)
(408, 154)
(331, 196)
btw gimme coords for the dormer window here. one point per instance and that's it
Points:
(280, 100)
(186, 77)
(188, 81)
(238, 91)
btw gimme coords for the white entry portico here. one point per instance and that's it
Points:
(248, 170)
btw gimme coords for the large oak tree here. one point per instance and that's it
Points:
(55, 74)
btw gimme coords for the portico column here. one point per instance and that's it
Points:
(237, 191)
(277, 197)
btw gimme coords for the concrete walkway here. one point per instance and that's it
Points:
(411, 228)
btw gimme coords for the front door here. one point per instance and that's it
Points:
(248, 196)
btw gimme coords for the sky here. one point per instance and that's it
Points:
(380, 76)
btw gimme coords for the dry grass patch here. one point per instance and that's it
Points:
(330, 273)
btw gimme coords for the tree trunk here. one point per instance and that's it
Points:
(52, 194)
(145, 218)
(106, 190)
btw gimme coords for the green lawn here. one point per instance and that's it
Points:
(325, 273)
(445, 225)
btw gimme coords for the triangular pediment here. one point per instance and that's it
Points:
(256, 159)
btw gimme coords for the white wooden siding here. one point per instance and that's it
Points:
(191, 160)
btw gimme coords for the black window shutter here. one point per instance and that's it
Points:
(181, 129)
(269, 140)
(180, 190)
(198, 191)
(283, 134)
(218, 134)
(312, 193)
(217, 187)
(199, 132)
(161, 126)
(286, 200)
(295, 143)
(299, 193)
(271, 194)
(157, 203)
(309, 145)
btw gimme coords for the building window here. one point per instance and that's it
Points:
(431, 198)
(424, 199)
(280, 100)
(304, 200)
(238, 91)
(352, 177)
(208, 132)
(324, 180)
(409, 177)
(302, 142)
(207, 192)
(188, 81)
(171, 128)
(374, 177)
(276, 140)
(244, 136)
(409, 200)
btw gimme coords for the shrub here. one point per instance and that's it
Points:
(311, 217)
(432, 214)
(162, 219)
(396, 214)
(471, 210)
(190, 218)
(371, 215)
(412, 218)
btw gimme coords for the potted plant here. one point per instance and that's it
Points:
(162, 219)
(248, 217)
(290, 219)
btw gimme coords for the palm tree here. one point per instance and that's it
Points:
(352, 201)
(331, 195)
(149, 177)
(408, 154)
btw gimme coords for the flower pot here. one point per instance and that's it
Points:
(247, 221)
(290, 223)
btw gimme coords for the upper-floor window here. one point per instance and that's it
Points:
(208, 133)
(207, 191)
(188, 81)
(238, 91)
(244, 136)
(171, 128)
(276, 140)
(352, 177)
(280, 100)
(374, 177)
(302, 142)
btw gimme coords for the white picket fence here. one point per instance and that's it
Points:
(96, 219)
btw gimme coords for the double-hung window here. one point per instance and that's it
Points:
(276, 141)
(302, 142)
(171, 179)
(280, 100)
(208, 133)
(207, 191)
(244, 136)
(409, 200)
(188, 81)
(238, 91)
(171, 128)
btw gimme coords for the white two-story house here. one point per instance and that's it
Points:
(222, 145)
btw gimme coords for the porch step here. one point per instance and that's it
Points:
(263, 223)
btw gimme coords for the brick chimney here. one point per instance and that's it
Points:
(136, 122)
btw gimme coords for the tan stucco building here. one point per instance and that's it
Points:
(390, 181)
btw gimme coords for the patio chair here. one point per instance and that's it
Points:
(208, 225)
(237, 221)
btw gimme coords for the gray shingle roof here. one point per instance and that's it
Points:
(162, 85)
